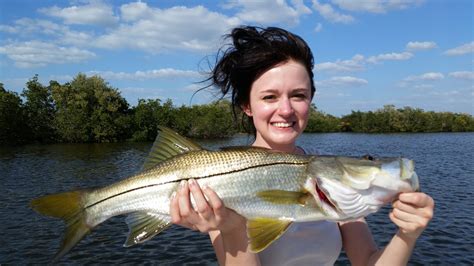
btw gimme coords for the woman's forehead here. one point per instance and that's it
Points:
(290, 75)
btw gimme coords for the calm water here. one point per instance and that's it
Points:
(444, 163)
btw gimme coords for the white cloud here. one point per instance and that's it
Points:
(328, 94)
(341, 81)
(37, 53)
(430, 76)
(460, 50)
(469, 75)
(423, 87)
(328, 12)
(390, 56)
(149, 74)
(143, 28)
(176, 28)
(135, 11)
(27, 27)
(318, 28)
(31, 28)
(353, 64)
(61, 78)
(301, 8)
(414, 46)
(445, 93)
(270, 11)
(376, 6)
(93, 13)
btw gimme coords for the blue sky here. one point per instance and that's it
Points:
(367, 53)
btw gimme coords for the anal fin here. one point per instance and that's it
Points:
(263, 231)
(143, 226)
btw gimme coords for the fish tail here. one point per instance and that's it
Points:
(69, 207)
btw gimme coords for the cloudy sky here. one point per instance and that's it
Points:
(368, 53)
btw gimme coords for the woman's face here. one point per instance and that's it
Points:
(279, 105)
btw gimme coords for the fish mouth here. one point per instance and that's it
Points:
(407, 173)
(404, 177)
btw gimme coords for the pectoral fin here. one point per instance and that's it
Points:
(283, 197)
(263, 231)
(143, 226)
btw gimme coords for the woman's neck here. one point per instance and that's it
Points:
(288, 148)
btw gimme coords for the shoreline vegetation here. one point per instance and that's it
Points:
(89, 110)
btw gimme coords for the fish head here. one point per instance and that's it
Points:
(348, 188)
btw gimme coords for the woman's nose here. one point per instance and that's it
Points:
(285, 108)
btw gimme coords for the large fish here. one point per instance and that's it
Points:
(271, 189)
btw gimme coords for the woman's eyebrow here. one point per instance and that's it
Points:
(300, 90)
(268, 91)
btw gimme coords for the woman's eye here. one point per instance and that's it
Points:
(300, 96)
(269, 97)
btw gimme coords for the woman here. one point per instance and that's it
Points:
(268, 73)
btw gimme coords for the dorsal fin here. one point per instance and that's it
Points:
(168, 144)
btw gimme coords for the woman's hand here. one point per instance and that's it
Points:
(210, 214)
(411, 213)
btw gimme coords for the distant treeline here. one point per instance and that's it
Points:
(88, 109)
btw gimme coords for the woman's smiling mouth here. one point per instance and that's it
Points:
(283, 124)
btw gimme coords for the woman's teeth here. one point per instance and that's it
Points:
(282, 125)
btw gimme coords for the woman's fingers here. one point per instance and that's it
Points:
(216, 203)
(202, 205)
(209, 212)
(175, 213)
(416, 203)
(406, 227)
(174, 209)
(412, 212)
(404, 207)
(417, 199)
(415, 218)
(185, 208)
(404, 216)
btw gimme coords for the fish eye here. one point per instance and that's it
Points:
(368, 157)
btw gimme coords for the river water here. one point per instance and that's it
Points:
(444, 163)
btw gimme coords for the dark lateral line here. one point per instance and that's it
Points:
(200, 177)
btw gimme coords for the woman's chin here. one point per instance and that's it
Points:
(284, 137)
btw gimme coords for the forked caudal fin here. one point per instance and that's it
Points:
(66, 206)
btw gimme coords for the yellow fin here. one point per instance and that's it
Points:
(283, 196)
(67, 206)
(168, 144)
(143, 226)
(263, 231)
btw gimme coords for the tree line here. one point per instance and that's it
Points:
(88, 109)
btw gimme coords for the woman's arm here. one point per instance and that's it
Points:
(412, 213)
(226, 228)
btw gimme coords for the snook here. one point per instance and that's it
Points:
(270, 189)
